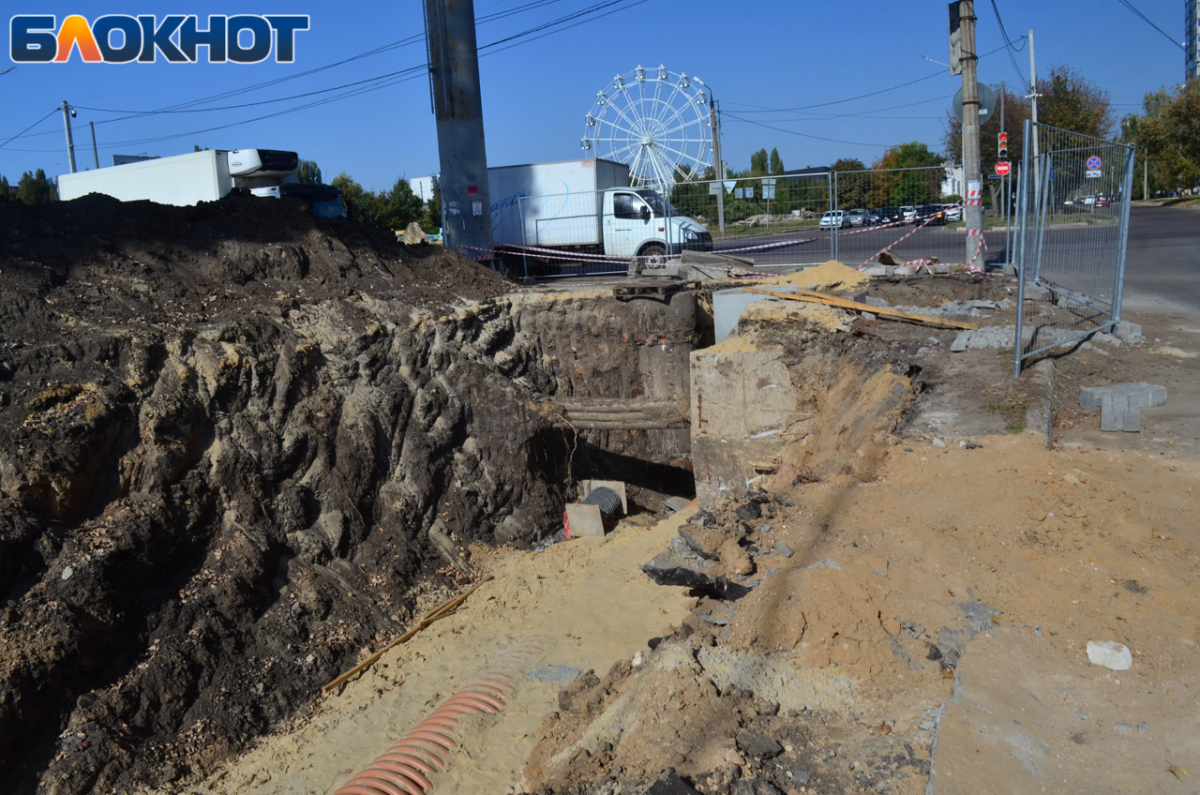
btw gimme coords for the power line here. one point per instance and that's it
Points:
(802, 135)
(1010, 47)
(1132, 8)
(30, 127)
(576, 18)
(761, 109)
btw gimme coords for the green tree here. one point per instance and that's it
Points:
(1170, 132)
(1016, 111)
(400, 206)
(196, 148)
(365, 206)
(900, 187)
(5, 190)
(1070, 101)
(35, 188)
(776, 164)
(758, 163)
(433, 209)
(310, 172)
(852, 188)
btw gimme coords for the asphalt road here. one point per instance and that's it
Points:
(1163, 261)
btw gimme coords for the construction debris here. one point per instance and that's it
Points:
(829, 300)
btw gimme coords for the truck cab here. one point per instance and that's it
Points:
(641, 222)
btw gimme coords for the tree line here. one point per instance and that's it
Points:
(1168, 131)
(34, 187)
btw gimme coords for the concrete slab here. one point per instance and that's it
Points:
(1145, 395)
(585, 521)
(728, 306)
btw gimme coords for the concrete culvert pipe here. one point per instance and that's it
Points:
(607, 501)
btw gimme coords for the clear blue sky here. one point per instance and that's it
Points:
(768, 53)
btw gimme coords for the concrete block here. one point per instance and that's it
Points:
(1036, 292)
(585, 521)
(1112, 414)
(1142, 394)
(728, 306)
(1130, 332)
(1132, 420)
(880, 270)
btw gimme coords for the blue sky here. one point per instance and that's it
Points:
(765, 53)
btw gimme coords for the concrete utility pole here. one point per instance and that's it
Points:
(66, 109)
(454, 85)
(719, 165)
(95, 150)
(972, 170)
(1146, 177)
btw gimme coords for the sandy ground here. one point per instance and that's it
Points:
(1062, 547)
(586, 599)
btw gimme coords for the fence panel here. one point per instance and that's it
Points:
(774, 221)
(905, 216)
(1073, 209)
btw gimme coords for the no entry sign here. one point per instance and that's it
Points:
(1003, 168)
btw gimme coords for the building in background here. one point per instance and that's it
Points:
(423, 186)
(1191, 37)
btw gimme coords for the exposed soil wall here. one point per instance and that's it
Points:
(232, 437)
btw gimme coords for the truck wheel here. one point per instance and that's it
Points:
(654, 255)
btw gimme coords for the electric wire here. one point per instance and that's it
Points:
(576, 18)
(1145, 18)
(1010, 47)
(30, 127)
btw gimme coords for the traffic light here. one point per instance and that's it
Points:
(1002, 147)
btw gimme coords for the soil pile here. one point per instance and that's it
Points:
(231, 438)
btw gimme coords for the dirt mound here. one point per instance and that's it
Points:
(231, 438)
(831, 274)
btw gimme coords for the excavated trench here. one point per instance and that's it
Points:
(237, 442)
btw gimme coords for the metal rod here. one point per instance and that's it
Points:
(1123, 235)
(1022, 201)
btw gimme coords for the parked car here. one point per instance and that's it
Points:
(834, 219)
(890, 215)
(1103, 201)
(873, 217)
(932, 214)
(858, 218)
(909, 213)
(1089, 200)
(953, 212)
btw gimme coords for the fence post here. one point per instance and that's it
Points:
(833, 205)
(1043, 207)
(1123, 232)
(524, 245)
(1022, 213)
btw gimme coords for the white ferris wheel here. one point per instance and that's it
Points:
(655, 121)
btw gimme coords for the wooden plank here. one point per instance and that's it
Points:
(829, 300)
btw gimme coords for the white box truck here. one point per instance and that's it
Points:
(586, 207)
(202, 177)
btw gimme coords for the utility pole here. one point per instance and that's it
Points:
(1146, 177)
(719, 164)
(458, 105)
(67, 113)
(95, 150)
(1004, 178)
(972, 170)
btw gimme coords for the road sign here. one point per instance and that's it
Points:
(987, 103)
(729, 184)
(1094, 173)
(1093, 163)
(770, 181)
(714, 188)
(1003, 168)
(768, 190)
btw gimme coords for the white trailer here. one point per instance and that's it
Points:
(203, 177)
(585, 206)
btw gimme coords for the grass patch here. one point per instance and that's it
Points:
(1012, 410)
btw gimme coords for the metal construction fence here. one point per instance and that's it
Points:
(894, 216)
(1072, 229)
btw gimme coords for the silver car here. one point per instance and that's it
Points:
(859, 218)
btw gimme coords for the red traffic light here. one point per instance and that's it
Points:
(1003, 138)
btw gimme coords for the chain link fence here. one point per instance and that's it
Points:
(1073, 226)
(769, 224)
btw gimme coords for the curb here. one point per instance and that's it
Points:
(1039, 417)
